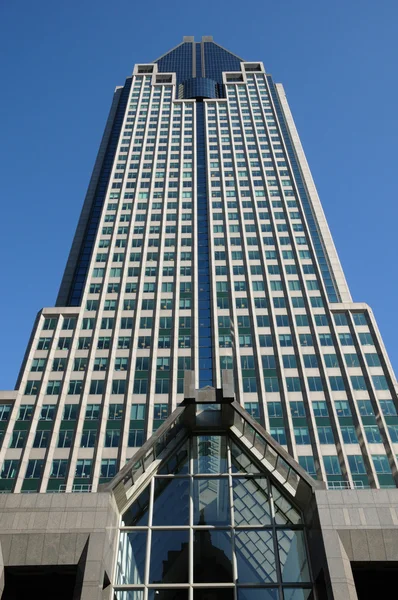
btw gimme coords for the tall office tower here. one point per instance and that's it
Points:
(204, 309)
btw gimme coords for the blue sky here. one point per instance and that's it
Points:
(60, 62)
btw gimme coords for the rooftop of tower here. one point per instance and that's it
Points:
(204, 59)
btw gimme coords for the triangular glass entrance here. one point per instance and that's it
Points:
(211, 522)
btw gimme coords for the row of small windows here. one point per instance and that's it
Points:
(109, 467)
(286, 340)
(163, 386)
(97, 386)
(356, 464)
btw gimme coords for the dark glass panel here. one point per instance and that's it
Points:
(169, 557)
(212, 556)
(171, 502)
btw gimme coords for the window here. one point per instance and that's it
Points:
(372, 434)
(34, 469)
(356, 463)
(249, 384)
(123, 343)
(358, 382)
(83, 468)
(279, 434)
(337, 383)
(340, 319)
(380, 382)
(65, 438)
(393, 431)
(53, 388)
(302, 320)
(315, 384)
(69, 323)
(351, 360)
(9, 469)
(121, 363)
(47, 412)
(92, 412)
(18, 438)
(268, 361)
(320, 409)
(301, 435)
(38, 365)
(75, 386)
(118, 386)
(297, 409)
(59, 468)
(308, 463)
(349, 435)
(64, 343)
(310, 361)
(44, 343)
(271, 384)
(100, 364)
(32, 388)
(372, 360)
(84, 343)
(332, 466)
(115, 412)
(388, 408)
(306, 339)
(293, 384)
(366, 339)
(274, 409)
(325, 434)
(140, 386)
(136, 438)
(365, 408)
(359, 318)
(49, 324)
(97, 386)
(381, 463)
(88, 439)
(108, 468)
(80, 364)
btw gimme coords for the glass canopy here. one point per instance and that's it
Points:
(211, 525)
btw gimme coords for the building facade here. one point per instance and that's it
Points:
(202, 261)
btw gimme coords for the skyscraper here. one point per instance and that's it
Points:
(203, 271)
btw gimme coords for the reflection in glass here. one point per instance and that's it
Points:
(169, 557)
(292, 556)
(258, 594)
(297, 594)
(285, 513)
(129, 595)
(131, 557)
(177, 463)
(211, 502)
(168, 594)
(255, 556)
(210, 454)
(212, 556)
(214, 594)
(241, 463)
(251, 501)
(171, 502)
(137, 513)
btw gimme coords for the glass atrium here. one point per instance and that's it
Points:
(210, 524)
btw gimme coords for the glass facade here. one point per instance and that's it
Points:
(210, 525)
